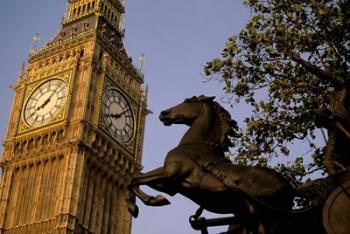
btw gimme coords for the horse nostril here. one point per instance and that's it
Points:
(163, 113)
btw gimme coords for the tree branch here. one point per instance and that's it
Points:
(322, 74)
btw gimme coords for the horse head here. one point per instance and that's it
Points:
(213, 122)
(184, 113)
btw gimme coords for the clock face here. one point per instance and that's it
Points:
(45, 102)
(117, 115)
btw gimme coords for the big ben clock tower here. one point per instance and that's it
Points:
(76, 129)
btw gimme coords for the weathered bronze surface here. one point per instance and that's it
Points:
(257, 199)
(336, 119)
(336, 215)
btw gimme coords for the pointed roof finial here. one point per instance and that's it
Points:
(142, 61)
(36, 39)
(21, 72)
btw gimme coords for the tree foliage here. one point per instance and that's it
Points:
(285, 63)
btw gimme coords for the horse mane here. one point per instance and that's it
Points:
(228, 125)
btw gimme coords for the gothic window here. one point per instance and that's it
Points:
(53, 137)
(17, 148)
(31, 145)
(85, 26)
(38, 141)
(82, 53)
(60, 135)
(45, 139)
(74, 31)
(67, 55)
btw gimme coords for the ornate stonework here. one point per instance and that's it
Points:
(70, 175)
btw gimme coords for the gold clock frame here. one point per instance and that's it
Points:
(65, 76)
(132, 112)
(109, 84)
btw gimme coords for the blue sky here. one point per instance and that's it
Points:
(177, 38)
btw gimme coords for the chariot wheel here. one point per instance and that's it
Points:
(336, 211)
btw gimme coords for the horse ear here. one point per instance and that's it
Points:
(234, 124)
(205, 98)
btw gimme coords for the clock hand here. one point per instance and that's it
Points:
(43, 105)
(117, 116)
(51, 95)
(46, 102)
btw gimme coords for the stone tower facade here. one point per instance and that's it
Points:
(76, 128)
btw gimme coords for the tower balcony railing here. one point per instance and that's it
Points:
(69, 18)
(52, 44)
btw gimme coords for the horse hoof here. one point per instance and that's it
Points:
(134, 210)
(160, 200)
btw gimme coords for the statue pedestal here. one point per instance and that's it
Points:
(336, 215)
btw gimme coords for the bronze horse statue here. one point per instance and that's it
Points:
(198, 169)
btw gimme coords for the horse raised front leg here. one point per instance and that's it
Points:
(158, 200)
(148, 200)
(149, 177)
(159, 179)
(161, 175)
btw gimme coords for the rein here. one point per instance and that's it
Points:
(211, 167)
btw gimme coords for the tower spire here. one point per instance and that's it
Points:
(76, 128)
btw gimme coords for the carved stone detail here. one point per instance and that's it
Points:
(69, 175)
